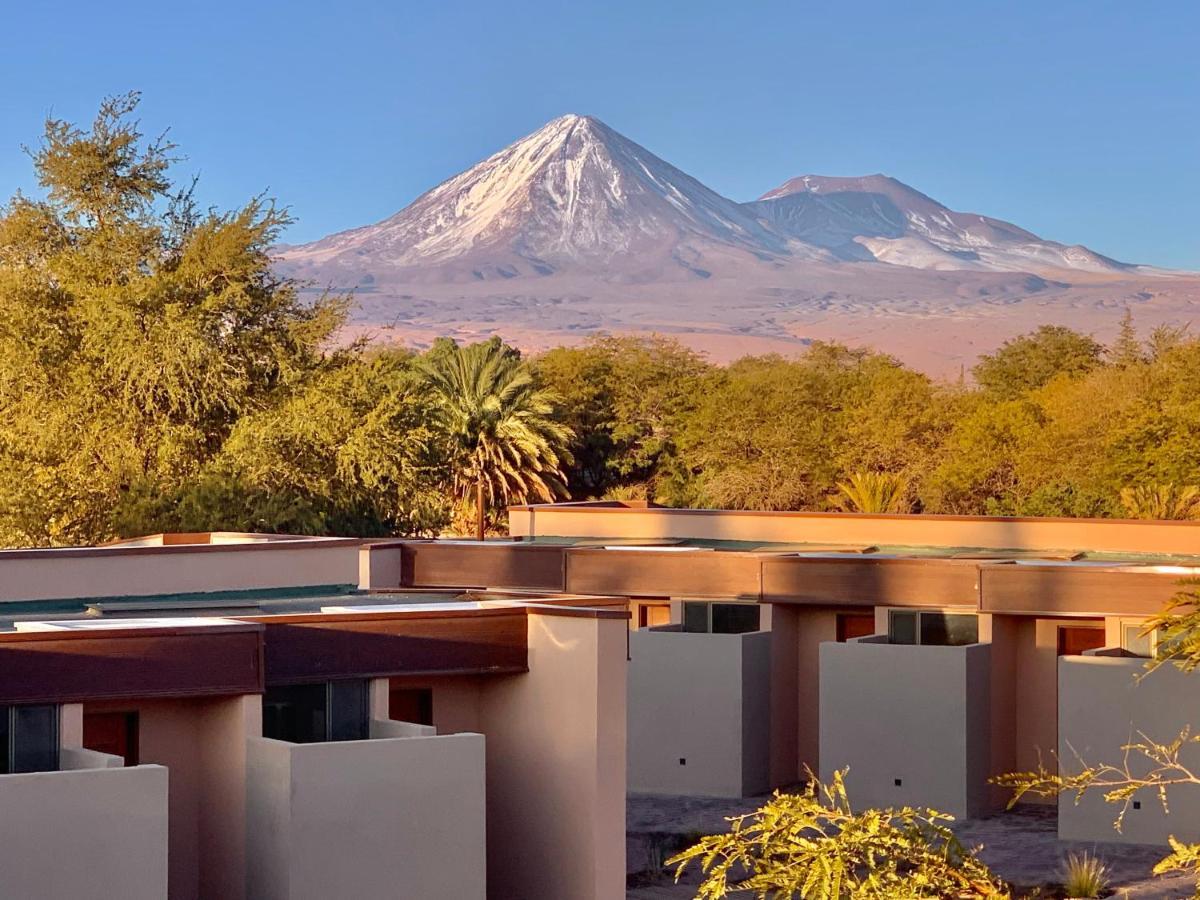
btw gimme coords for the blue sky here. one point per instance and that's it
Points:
(1078, 120)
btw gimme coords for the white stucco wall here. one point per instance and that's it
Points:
(703, 698)
(85, 834)
(1102, 706)
(917, 714)
(398, 817)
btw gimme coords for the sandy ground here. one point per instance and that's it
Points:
(937, 322)
(1021, 846)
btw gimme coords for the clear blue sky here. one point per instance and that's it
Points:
(1078, 120)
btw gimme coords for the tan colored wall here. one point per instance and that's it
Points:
(90, 834)
(705, 699)
(1101, 707)
(556, 764)
(400, 817)
(913, 713)
(844, 528)
(119, 572)
(202, 744)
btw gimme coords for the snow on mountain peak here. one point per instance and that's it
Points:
(574, 191)
(575, 195)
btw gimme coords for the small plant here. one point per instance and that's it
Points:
(1084, 875)
(813, 845)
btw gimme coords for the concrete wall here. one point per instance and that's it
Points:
(565, 520)
(556, 762)
(699, 713)
(401, 817)
(1102, 706)
(89, 834)
(143, 571)
(202, 744)
(917, 714)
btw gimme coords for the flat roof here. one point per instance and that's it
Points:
(176, 610)
(824, 550)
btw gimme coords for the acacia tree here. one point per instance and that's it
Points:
(507, 444)
(813, 845)
(1149, 766)
(135, 329)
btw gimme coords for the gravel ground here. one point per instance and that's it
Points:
(1021, 846)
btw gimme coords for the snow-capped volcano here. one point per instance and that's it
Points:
(576, 229)
(573, 194)
(875, 217)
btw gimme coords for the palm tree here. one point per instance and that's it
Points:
(508, 446)
(1161, 501)
(874, 492)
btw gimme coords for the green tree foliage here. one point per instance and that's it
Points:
(135, 330)
(1033, 360)
(505, 442)
(771, 433)
(624, 399)
(813, 845)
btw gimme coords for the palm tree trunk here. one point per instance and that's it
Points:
(479, 509)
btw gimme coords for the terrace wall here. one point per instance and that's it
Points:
(699, 713)
(912, 723)
(1102, 706)
(90, 833)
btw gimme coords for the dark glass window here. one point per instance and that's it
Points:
(902, 627)
(948, 629)
(296, 713)
(28, 739)
(734, 618)
(349, 719)
(695, 617)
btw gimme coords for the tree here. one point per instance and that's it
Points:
(874, 492)
(625, 399)
(135, 331)
(1161, 501)
(506, 443)
(813, 845)
(1030, 361)
(1127, 350)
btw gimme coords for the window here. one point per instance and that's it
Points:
(932, 628)
(949, 629)
(1136, 643)
(695, 617)
(1155, 644)
(721, 618)
(735, 618)
(312, 713)
(902, 627)
(28, 739)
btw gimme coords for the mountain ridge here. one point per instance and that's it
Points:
(575, 229)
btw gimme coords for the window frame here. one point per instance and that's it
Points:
(11, 735)
(708, 615)
(917, 614)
